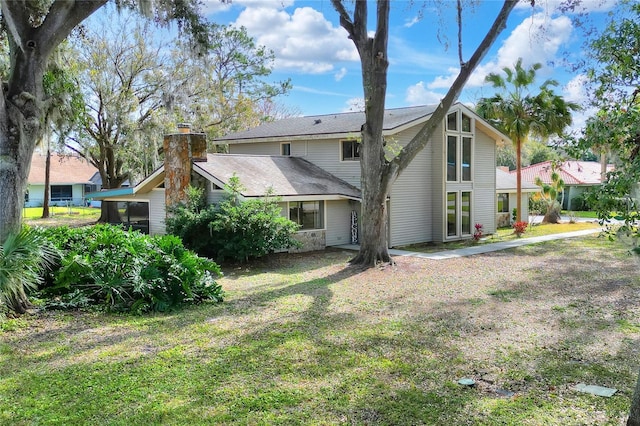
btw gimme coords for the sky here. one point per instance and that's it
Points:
(314, 52)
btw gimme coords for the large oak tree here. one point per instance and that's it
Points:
(378, 173)
(34, 28)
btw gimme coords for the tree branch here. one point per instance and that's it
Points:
(421, 139)
(345, 19)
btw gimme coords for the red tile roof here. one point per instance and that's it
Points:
(65, 169)
(572, 172)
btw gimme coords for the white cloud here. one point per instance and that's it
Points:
(563, 6)
(537, 39)
(341, 74)
(354, 105)
(303, 41)
(419, 95)
(576, 91)
(411, 22)
(211, 7)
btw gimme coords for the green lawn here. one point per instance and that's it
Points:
(301, 339)
(73, 211)
(504, 234)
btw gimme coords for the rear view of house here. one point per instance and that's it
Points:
(312, 165)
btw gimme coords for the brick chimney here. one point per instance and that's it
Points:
(180, 149)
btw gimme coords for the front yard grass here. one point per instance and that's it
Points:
(504, 234)
(302, 339)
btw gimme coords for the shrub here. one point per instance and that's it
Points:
(127, 271)
(520, 227)
(24, 256)
(235, 229)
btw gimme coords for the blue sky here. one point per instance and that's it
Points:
(314, 52)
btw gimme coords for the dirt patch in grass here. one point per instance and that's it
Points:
(305, 339)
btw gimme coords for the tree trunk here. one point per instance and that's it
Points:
(47, 184)
(109, 212)
(552, 215)
(634, 413)
(518, 180)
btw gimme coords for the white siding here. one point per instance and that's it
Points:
(326, 154)
(338, 221)
(438, 171)
(410, 215)
(157, 212)
(484, 182)
(267, 148)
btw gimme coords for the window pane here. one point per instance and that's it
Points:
(285, 149)
(466, 159)
(452, 121)
(451, 214)
(503, 202)
(452, 164)
(350, 150)
(61, 192)
(307, 214)
(466, 123)
(466, 213)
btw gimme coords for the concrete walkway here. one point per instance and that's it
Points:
(483, 248)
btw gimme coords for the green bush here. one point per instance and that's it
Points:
(126, 271)
(234, 229)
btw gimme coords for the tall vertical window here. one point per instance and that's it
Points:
(285, 149)
(466, 123)
(503, 202)
(452, 121)
(466, 159)
(452, 158)
(350, 151)
(452, 209)
(307, 214)
(465, 213)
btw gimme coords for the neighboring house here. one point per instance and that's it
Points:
(313, 164)
(507, 196)
(578, 176)
(70, 178)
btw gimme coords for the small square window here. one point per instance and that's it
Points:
(350, 151)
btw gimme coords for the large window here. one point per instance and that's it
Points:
(61, 192)
(466, 159)
(459, 148)
(452, 208)
(307, 214)
(459, 213)
(350, 151)
(452, 158)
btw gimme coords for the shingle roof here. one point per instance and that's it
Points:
(329, 124)
(572, 172)
(506, 182)
(288, 176)
(65, 170)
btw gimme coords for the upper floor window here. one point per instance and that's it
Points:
(453, 125)
(459, 147)
(285, 149)
(350, 150)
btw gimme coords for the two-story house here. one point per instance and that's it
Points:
(312, 164)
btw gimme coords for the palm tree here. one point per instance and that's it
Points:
(24, 256)
(519, 113)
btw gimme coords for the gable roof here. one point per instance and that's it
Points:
(342, 125)
(572, 172)
(506, 182)
(65, 170)
(287, 176)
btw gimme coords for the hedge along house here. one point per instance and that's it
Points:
(449, 186)
(318, 201)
